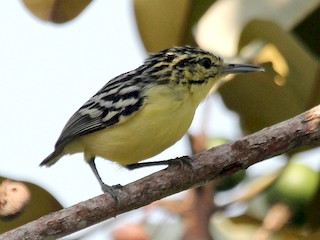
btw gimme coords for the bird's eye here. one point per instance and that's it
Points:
(205, 62)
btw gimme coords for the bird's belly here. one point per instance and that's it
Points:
(150, 131)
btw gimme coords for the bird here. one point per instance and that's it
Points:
(140, 113)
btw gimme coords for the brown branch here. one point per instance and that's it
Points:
(302, 130)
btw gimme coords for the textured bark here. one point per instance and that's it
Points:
(302, 130)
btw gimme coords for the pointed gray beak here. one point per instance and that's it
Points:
(241, 68)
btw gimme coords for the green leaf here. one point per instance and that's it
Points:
(288, 86)
(57, 11)
(164, 24)
(41, 203)
(295, 187)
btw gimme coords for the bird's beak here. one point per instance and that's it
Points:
(241, 68)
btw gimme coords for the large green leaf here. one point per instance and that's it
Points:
(287, 88)
(41, 203)
(57, 11)
(163, 24)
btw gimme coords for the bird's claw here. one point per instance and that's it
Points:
(112, 191)
(182, 161)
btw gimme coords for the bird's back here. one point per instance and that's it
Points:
(162, 121)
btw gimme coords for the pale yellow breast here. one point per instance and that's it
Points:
(163, 120)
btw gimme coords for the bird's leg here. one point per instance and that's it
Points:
(185, 160)
(105, 188)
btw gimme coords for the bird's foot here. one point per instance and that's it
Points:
(112, 191)
(182, 161)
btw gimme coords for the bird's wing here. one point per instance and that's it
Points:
(115, 103)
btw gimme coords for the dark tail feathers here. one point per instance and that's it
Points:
(52, 158)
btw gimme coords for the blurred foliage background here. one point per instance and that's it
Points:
(281, 36)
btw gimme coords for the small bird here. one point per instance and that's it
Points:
(138, 114)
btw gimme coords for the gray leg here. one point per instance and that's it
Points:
(181, 161)
(105, 188)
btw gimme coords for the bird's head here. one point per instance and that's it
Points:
(192, 66)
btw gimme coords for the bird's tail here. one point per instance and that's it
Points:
(52, 158)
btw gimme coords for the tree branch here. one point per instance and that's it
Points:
(302, 130)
